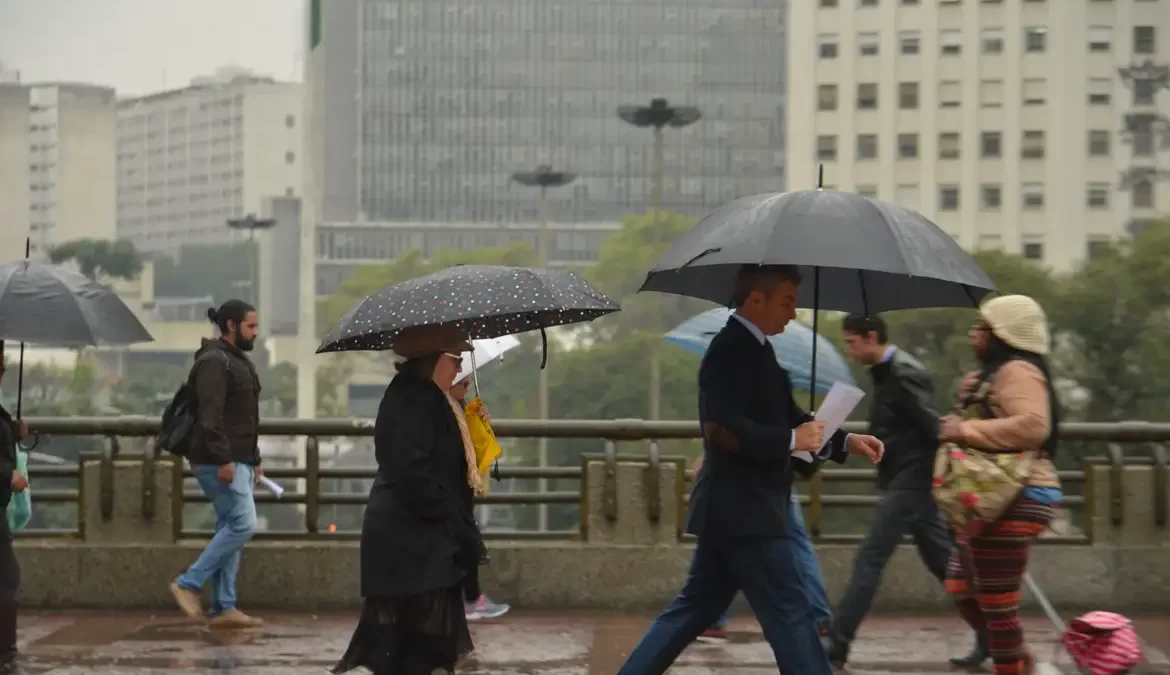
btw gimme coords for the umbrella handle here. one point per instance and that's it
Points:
(474, 374)
(812, 376)
(20, 383)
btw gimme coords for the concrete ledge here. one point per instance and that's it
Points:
(317, 576)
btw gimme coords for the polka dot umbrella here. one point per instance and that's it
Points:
(485, 301)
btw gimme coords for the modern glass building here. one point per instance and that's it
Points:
(427, 113)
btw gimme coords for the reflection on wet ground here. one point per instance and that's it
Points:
(518, 644)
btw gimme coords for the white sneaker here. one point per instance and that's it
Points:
(484, 608)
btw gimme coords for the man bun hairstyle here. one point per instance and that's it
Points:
(233, 310)
(762, 278)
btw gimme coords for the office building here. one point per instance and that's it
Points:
(14, 170)
(192, 158)
(1001, 120)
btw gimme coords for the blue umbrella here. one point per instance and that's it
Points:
(793, 349)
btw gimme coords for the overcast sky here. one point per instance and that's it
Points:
(139, 46)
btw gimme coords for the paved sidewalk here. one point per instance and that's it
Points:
(520, 643)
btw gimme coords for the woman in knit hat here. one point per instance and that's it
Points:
(1011, 407)
(420, 546)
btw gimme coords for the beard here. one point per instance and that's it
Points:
(246, 345)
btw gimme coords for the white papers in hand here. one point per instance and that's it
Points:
(839, 403)
(272, 486)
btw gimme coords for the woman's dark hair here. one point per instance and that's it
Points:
(998, 354)
(422, 367)
(232, 310)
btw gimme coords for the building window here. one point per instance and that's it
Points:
(1143, 145)
(1034, 91)
(949, 92)
(290, 157)
(289, 192)
(1142, 194)
(1035, 39)
(991, 144)
(826, 148)
(907, 146)
(868, 3)
(828, 3)
(290, 121)
(991, 93)
(1032, 250)
(1095, 248)
(906, 195)
(948, 198)
(1098, 143)
(827, 46)
(950, 42)
(1032, 196)
(870, 191)
(990, 197)
(1033, 145)
(908, 95)
(827, 97)
(909, 2)
(867, 146)
(1100, 91)
(1143, 92)
(948, 145)
(867, 96)
(909, 41)
(1097, 196)
(1100, 38)
(867, 44)
(1143, 40)
(992, 39)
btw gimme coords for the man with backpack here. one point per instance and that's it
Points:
(11, 481)
(222, 449)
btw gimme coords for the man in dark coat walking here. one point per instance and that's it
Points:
(11, 481)
(903, 415)
(740, 503)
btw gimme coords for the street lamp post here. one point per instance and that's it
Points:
(544, 178)
(658, 115)
(251, 223)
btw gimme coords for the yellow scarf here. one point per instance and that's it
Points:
(473, 478)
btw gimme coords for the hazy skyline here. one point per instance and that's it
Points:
(140, 46)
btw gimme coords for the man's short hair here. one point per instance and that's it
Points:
(860, 324)
(762, 278)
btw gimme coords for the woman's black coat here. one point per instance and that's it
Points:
(418, 534)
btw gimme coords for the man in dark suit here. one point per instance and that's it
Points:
(11, 482)
(903, 414)
(740, 503)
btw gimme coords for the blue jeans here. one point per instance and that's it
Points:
(767, 571)
(235, 520)
(809, 567)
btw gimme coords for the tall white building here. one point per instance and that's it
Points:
(57, 168)
(1001, 120)
(192, 158)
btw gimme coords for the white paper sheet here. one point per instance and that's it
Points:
(272, 486)
(839, 403)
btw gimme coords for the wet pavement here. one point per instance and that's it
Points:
(518, 644)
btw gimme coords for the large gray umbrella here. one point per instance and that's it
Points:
(857, 254)
(50, 305)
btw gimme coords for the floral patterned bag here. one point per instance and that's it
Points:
(974, 487)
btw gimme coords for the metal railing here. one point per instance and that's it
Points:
(1117, 437)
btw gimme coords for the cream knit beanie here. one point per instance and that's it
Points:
(1019, 321)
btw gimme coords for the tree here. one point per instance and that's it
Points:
(221, 271)
(279, 396)
(99, 257)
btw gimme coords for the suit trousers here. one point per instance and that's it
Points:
(767, 570)
(9, 593)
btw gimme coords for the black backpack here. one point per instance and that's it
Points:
(180, 416)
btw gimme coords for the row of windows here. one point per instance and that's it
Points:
(1098, 144)
(991, 40)
(1033, 92)
(1032, 196)
(876, 3)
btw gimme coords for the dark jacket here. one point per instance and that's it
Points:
(7, 457)
(227, 389)
(747, 414)
(902, 414)
(418, 534)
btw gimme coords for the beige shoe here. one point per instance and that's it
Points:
(188, 601)
(234, 618)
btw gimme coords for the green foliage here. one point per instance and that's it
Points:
(220, 271)
(94, 257)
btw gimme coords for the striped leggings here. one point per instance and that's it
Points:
(985, 577)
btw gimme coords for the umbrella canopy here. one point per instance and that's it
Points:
(793, 347)
(484, 352)
(869, 256)
(50, 305)
(485, 301)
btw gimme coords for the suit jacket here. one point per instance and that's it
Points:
(902, 413)
(747, 414)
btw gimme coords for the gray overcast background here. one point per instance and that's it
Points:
(140, 46)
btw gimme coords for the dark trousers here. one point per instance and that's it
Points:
(9, 592)
(766, 569)
(899, 512)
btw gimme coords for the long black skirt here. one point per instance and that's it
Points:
(413, 635)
